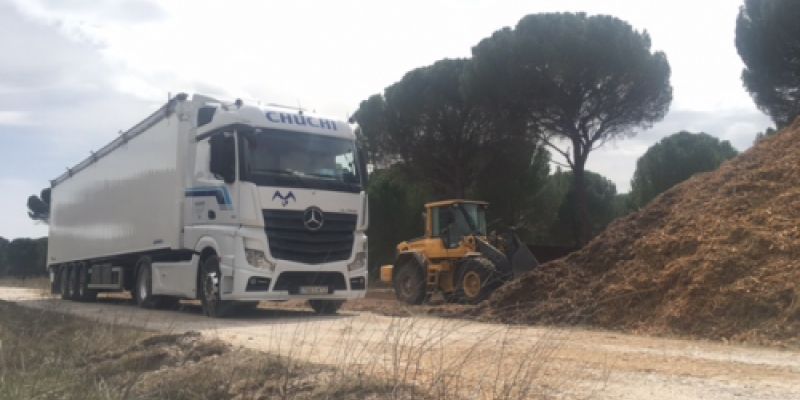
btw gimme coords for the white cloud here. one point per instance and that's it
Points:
(14, 118)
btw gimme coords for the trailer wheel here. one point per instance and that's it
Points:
(73, 282)
(84, 293)
(213, 305)
(64, 282)
(326, 307)
(143, 292)
(55, 280)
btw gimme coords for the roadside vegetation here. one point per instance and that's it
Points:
(55, 355)
(49, 355)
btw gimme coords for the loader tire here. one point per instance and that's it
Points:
(476, 280)
(409, 284)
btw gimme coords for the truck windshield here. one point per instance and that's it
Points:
(294, 159)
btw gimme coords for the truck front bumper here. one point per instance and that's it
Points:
(324, 283)
(287, 280)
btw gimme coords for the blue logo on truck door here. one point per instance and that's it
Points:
(297, 119)
(220, 193)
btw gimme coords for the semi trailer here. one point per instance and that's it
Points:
(225, 202)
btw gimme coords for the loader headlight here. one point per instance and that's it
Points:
(359, 262)
(258, 259)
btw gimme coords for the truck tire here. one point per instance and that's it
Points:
(409, 284)
(143, 291)
(475, 280)
(326, 307)
(55, 280)
(64, 282)
(210, 276)
(84, 293)
(72, 282)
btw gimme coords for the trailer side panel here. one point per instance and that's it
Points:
(128, 200)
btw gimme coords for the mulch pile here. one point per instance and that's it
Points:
(717, 256)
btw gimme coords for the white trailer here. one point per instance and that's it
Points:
(223, 202)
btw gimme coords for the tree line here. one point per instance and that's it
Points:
(23, 257)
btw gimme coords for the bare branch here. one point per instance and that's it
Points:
(560, 164)
(564, 153)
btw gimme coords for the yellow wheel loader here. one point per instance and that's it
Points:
(456, 256)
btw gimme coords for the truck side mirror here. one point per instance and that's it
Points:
(223, 157)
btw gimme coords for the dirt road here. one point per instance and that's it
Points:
(479, 360)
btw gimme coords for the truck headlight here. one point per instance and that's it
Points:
(258, 259)
(359, 262)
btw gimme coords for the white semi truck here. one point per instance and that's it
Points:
(228, 203)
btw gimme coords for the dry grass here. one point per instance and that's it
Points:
(50, 355)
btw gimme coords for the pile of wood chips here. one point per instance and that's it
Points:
(717, 256)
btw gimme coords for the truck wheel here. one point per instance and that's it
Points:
(64, 282)
(73, 282)
(326, 307)
(143, 292)
(409, 284)
(55, 280)
(475, 281)
(84, 293)
(210, 275)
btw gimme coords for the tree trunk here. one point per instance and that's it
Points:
(583, 230)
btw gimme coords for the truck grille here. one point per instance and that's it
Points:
(289, 239)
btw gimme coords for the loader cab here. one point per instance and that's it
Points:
(452, 220)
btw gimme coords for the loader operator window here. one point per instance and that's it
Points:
(452, 225)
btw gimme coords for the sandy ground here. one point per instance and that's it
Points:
(480, 360)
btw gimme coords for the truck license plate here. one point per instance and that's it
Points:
(314, 290)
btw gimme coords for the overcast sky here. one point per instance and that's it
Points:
(75, 72)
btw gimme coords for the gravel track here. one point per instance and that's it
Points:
(477, 357)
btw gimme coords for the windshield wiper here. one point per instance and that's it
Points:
(295, 175)
(285, 171)
(327, 176)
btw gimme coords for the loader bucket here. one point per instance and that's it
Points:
(521, 258)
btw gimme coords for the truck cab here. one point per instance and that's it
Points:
(279, 194)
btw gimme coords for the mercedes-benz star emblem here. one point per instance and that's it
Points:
(313, 218)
